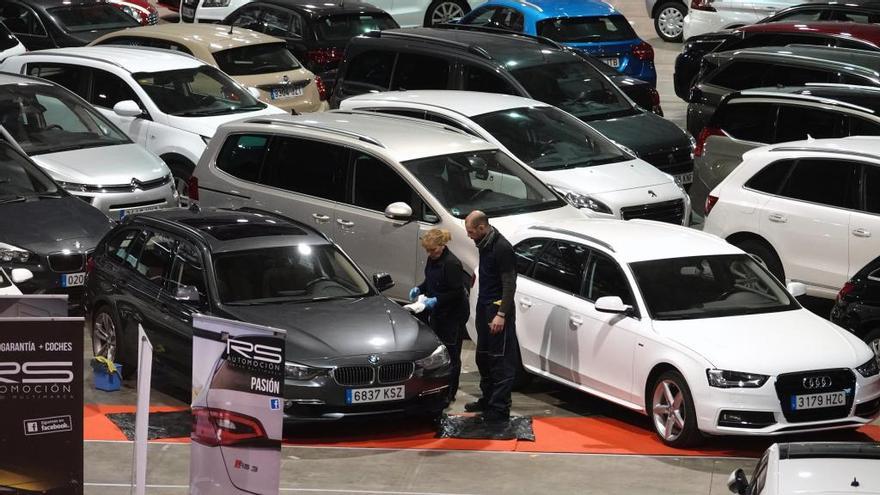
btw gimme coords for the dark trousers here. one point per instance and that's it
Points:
(497, 361)
(450, 330)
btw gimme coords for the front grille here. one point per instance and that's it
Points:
(666, 211)
(791, 384)
(395, 372)
(354, 376)
(122, 188)
(153, 18)
(674, 162)
(62, 263)
(140, 204)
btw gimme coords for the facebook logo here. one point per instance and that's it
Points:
(31, 426)
(274, 404)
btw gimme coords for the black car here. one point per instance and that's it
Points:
(479, 59)
(861, 11)
(44, 229)
(795, 65)
(43, 24)
(156, 269)
(315, 32)
(858, 305)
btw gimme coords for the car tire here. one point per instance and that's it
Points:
(441, 11)
(669, 21)
(107, 340)
(181, 171)
(670, 406)
(872, 338)
(763, 251)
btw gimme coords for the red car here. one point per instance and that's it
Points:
(171, 5)
(145, 13)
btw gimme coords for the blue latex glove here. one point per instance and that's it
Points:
(414, 293)
(430, 302)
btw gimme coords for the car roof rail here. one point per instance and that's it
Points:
(572, 233)
(355, 135)
(429, 123)
(150, 49)
(798, 96)
(470, 47)
(493, 30)
(842, 85)
(831, 151)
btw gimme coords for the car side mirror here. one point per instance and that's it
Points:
(612, 304)
(187, 293)
(796, 289)
(383, 281)
(20, 275)
(398, 211)
(738, 482)
(254, 92)
(127, 108)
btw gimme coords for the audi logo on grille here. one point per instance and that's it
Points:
(814, 382)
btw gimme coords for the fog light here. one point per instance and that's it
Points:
(746, 419)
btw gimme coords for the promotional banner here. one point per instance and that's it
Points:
(41, 405)
(142, 418)
(237, 407)
(33, 305)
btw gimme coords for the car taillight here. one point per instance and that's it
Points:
(704, 135)
(845, 290)
(219, 427)
(710, 203)
(90, 265)
(322, 89)
(324, 56)
(643, 51)
(192, 188)
(704, 5)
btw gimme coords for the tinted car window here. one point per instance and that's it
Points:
(186, 271)
(108, 90)
(80, 18)
(561, 265)
(420, 72)
(369, 71)
(801, 15)
(850, 16)
(739, 75)
(7, 40)
(307, 167)
(586, 29)
(283, 23)
(780, 75)
(342, 27)
(376, 185)
(247, 17)
(604, 278)
(242, 156)
(117, 247)
(526, 252)
(21, 20)
(199, 92)
(795, 123)
(154, 259)
(872, 189)
(823, 181)
(747, 121)
(72, 77)
(256, 59)
(863, 127)
(477, 79)
(771, 177)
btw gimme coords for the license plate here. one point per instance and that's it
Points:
(380, 394)
(73, 279)
(188, 12)
(285, 92)
(684, 178)
(131, 211)
(612, 61)
(816, 401)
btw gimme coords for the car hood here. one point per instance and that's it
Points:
(768, 343)
(52, 225)
(104, 165)
(321, 331)
(207, 126)
(643, 132)
(631, 174)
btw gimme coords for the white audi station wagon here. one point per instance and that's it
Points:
(686, 328)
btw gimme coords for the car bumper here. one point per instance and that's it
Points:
(47, 281)
(116, 205)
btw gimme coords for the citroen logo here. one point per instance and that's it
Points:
(135, 183)
(373, 359)
(816, 382)
(652, 193)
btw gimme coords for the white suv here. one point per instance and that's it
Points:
(809, 209)
(686, 328)
(586, 168)
(171, 103)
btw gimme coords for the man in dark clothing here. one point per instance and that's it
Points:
(497, 346)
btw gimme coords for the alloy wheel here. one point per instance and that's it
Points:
(668, 410)
(670, 21)
(104, 336)
(446, 11)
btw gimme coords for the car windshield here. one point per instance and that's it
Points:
(586, 29)
(546, 138)
(20, 178)
(709, 286)
(485, 180)
(297, 273)
(576, 87)
(48, 119)
(78, 18)
(343, 27)
(196, 92)
(265, 58)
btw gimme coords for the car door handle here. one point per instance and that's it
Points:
(345, 223)
(777, 218)
(861, 233)
(525, 302)
(576, 320)
(320, 218)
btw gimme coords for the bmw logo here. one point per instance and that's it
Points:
(373, 359)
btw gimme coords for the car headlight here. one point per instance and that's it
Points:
(583, 201)
(871, 368)
(735, 379)
(438, 359)
(73, 186)
(301, 372)
(10, 253)
(215, 3)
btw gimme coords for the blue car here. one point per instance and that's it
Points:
(591, 26)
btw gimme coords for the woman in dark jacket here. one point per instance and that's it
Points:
(447, 301)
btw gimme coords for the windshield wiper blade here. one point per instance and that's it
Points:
(14, 199)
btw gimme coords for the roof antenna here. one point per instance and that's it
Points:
(855, 482)
(230, 28)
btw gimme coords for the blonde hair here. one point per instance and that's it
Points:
(436, 238)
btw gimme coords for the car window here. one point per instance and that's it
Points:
(872, 189)
(526, 252)
(562, 265)
(507, 18)
(154, 260)
(108, 90)
(481, 16)
(586, 29)
(795, 123)
(800, 15)
(117, 247)
(72, 77)
(739, 75)
(187, 270)
(197, 92)
(605, 278)
(771, 177)
(376, 184)
(747, 121)
(781, 75)
(283, 23)
(343, 27)
(242, 155)
(369, 71)
(850, 16)
(823, 181)
(863, 127)
(478, 79)
(262, 58)
(247, 17)
(307, 167)
(21, 20)
(420, 72)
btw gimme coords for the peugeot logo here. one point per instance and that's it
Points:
(815, 382)
(652, 193)
(373, 359)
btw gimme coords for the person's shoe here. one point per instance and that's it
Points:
(495, 419)
(475, 406)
